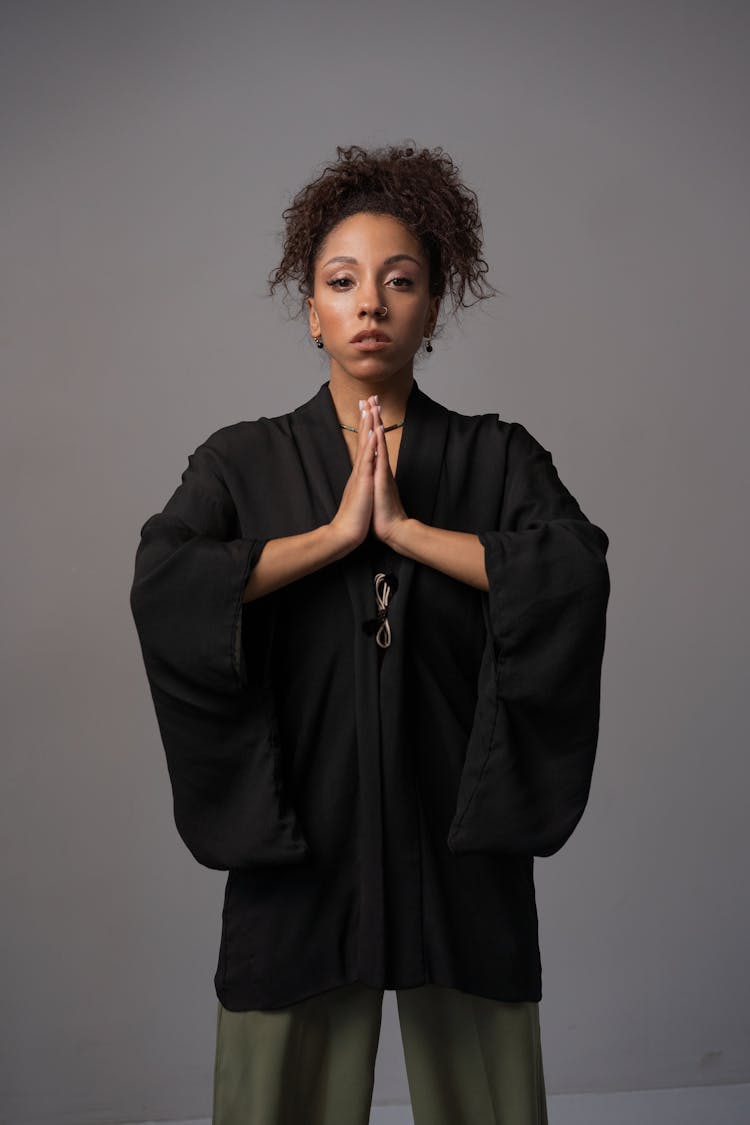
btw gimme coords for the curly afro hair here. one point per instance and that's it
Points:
(422, 188)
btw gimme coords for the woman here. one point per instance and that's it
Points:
(373, 631)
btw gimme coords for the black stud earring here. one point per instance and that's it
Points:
(428, 345)
(319, 341)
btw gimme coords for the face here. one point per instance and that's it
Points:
(366, 262)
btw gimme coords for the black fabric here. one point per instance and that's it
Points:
(377, 811)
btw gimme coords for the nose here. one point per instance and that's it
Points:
(372, 308)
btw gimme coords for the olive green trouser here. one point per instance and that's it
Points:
(469, 1060)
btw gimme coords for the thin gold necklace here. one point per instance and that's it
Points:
(386, 429)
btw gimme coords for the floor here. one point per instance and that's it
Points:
(695, 1105)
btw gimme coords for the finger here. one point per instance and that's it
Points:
(367, 443)
(374, 413)
(382, 467)
(362, 432)
(369, 451)
(366, 420)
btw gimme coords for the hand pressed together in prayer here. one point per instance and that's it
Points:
(371, 497)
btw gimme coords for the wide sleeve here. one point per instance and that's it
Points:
(527, 772)
(214, 712)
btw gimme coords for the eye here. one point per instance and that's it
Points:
(339, 282)
(401, 282)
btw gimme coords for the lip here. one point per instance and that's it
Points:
(370, 340)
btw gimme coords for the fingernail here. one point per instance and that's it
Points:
(361, 403)
(376, 398)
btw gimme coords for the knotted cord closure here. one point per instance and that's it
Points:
(382, 597)
(385, 586)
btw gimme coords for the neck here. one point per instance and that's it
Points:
(392, 394)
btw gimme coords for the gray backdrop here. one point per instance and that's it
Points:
(148, 150)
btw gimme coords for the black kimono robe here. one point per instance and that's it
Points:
(378, 810)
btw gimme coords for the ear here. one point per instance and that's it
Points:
(312, 317)
(432, 315)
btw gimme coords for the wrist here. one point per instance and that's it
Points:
(339, 541)
(400, 534)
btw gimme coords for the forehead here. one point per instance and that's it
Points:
(367, 235)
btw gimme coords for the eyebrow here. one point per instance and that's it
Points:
(388, 261)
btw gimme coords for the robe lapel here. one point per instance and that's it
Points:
(418, 471)
(323, 452)
(418, 477)
(421, 455)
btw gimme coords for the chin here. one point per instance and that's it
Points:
(374, 370)
(381, 372)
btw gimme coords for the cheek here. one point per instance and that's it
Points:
(334, 313)
(417, 322)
